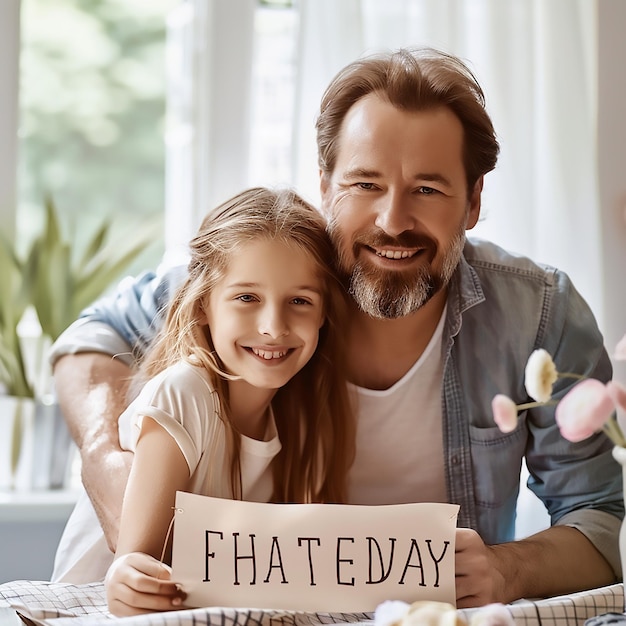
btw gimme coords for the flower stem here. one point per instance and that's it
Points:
(532, 405)
(571, 375)
(613, 431)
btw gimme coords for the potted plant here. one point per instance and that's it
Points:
(41, 293)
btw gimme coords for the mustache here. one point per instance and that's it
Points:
(379, 239)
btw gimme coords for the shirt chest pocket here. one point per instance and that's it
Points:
(496, 459)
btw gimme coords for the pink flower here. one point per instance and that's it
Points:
(584, 410)
(617, 393)
(504, 413)
(620, 350)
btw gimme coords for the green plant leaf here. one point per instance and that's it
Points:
(13, 302)
(16, 437)
(56, 285)
(95, 244)
(104, 268)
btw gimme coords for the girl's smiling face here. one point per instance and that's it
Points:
(265, 313)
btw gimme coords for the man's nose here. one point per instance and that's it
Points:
(393, 215)
(273, 322)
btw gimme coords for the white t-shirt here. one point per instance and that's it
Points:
(182, 400)
(399, 440)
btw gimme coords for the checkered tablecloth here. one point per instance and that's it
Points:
(56, 604)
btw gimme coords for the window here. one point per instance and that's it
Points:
(273, 97)
(92, 109)
(232, 96)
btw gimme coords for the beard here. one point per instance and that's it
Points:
(386, 294)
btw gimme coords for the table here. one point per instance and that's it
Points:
(57, 604)
(8, 617)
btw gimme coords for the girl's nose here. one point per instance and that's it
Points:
(273, 323)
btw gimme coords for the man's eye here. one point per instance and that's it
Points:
(427, 191)
(366, 186)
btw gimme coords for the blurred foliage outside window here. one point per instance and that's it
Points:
(92, 114)
(92, 111)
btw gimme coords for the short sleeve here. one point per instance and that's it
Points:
(181, 400)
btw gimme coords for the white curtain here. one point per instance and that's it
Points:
(536, 63)
(556, 92)
(553, 76)
(207, 137)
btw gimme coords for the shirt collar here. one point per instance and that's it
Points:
(465, 292)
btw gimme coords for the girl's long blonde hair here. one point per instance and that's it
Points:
(313, 414)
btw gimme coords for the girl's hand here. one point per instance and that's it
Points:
(137, 583)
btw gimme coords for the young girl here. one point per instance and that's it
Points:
(244, 393)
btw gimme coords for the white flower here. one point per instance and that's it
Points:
(432, 613)
(540, 375)
(420, 613)
(588, 407)
(390, 612)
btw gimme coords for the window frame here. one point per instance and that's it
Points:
(9, 95)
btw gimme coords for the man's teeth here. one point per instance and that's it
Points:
(395, 254)
(268, 355)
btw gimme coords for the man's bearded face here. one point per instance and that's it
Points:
(390, 294)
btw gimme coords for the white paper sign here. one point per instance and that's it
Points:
(312, 557)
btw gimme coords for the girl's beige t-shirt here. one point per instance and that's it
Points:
(183, 401)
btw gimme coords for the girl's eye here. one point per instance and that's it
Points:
(246, 297)
(300, 301)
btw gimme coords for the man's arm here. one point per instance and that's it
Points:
(92, 363)
(92, 393)
(552, 562)
(579, 483)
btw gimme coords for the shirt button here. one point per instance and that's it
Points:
(455, 459)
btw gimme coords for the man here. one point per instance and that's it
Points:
(439, 326)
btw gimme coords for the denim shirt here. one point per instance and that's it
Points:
(500, 308)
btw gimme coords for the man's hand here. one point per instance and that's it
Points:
(138, 583)
(543, 565)
(477, 580)
(92, 391)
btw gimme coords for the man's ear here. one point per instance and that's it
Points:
(474, 205)
(324, 189)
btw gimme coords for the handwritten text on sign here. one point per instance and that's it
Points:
(312, 557)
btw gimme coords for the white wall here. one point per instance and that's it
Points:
(28, 549)
(612, 169)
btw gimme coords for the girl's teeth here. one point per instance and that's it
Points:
(268, 355)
